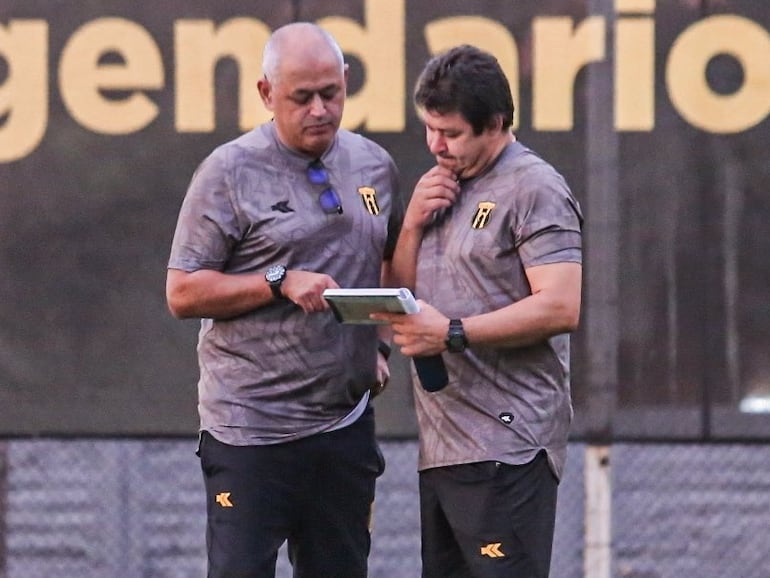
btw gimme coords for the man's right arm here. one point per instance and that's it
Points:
(211, 294)
(214, 295)
(403, 266)
(437, 189)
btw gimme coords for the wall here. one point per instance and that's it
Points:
(655, 112)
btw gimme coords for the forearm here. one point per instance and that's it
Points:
(526, 322)
(211, 294)
(551, 309)
(403, 268)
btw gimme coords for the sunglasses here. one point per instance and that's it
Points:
(329, 199)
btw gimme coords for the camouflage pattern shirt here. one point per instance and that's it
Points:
(501, 404)
(276, 374)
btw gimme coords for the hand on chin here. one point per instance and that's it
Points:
(447, 163)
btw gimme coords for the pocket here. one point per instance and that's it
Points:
(204, 451)
(380, 460)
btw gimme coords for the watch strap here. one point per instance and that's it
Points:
(274, 277)
(456, 340)
(276, 290)
(384, 349)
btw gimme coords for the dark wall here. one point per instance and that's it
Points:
(675, 313)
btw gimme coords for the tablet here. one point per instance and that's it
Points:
(355, 305)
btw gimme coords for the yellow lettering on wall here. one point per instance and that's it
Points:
(645, 6)
(635, 74)
(379, 105)
(688, 86)
(483, 33)
(559, 54)
(24, 93)
(83, 78)
(198, 47)
(109, 66)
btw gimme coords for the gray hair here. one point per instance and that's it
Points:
(271, 55)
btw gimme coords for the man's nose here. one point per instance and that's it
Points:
(317, 105)
(436, 144)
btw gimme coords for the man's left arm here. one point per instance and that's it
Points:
(551, 309)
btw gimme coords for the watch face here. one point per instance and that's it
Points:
(275, 273)
(456, 340)
(456, 343)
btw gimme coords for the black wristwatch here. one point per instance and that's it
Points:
(456, 342)
(384, 349)
(274, 277)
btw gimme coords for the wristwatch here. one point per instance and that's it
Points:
(274, 276)
(456, 342)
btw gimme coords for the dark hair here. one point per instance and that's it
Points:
(467, 80)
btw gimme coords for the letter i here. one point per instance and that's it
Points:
(635, 65)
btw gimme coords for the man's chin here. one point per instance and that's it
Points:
(450, 164)
(317, 144)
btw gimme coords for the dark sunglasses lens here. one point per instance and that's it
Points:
(317, 175)
(330, 202)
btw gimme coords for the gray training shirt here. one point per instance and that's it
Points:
(501, 404)
(276, 374)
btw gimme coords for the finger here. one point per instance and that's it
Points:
(387, 317)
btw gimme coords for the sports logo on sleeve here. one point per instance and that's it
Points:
(369, 197)
(483, 214)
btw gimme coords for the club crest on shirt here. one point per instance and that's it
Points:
(369, 197)
(482, 215)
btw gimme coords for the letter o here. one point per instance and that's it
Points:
(687, 84)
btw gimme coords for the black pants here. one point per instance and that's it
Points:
(317, 493)
(488, 520)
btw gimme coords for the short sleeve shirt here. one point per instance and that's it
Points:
(501, 404)
(277, 374)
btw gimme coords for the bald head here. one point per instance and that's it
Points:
(299, 41)
(304, 85)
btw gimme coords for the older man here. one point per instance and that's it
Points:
(270, 220)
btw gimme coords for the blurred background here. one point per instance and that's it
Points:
(655, 112)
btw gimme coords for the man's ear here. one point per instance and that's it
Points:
(265, 92)
(496, 123)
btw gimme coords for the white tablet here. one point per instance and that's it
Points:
(355, 305)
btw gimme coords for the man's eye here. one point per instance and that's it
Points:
(328, 94)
